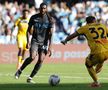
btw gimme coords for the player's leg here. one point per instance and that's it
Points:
(19, 58)
(33, 52)
(25, 64)
(24, 49)
(20, 50)
(41, 57)
(99, 67)
(91, 70)
(23, 56)
(102, 57)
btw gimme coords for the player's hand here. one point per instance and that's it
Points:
(27, 45)
(63, 42)
(49, 52)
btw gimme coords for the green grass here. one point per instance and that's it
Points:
(72, 77)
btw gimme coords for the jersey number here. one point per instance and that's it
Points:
(102, 35)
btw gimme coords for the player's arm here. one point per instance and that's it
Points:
(16, 24)
(75, 34)
(51, 27)
(15, 27)
(50, 41)
(28, 33)
(81, 31)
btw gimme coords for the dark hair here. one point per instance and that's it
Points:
(25, 10)
(42, 4)
(51, 20)
(90, 19)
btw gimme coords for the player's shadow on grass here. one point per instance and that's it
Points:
(76, 86)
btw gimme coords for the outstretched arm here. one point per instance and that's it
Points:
(75, 34)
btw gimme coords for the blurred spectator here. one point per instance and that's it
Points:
(68, 16)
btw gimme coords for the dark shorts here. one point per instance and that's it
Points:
(38, 48)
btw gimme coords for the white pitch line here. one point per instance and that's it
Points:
(44, 76)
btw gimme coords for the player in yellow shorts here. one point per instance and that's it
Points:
(97, 37)
(22, 24)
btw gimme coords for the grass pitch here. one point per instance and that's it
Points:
(72, 77)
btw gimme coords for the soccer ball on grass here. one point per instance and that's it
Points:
(54, 80)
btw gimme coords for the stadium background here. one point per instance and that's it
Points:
(69, 16)
(66, 61)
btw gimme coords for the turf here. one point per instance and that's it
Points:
(72, 77)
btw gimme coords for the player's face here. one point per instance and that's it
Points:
(25, 14)
(43, 9)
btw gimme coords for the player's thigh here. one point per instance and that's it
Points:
(42, 52)
(97, 58)
(24, 43)
(91, 60)
(19, 42)
(105, 55)
(33, 50)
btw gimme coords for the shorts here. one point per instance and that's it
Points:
(38, 48)
(97, 58)
(21, 42)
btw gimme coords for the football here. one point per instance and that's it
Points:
(54, 80)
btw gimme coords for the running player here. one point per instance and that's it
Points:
(97, 37)
(22, 24)
(42, 24)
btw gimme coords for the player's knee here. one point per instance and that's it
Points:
(40, 61)
(32, 58)
(88, 65)
(29, 60)
(20, 52)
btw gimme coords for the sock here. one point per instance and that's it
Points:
(19, 71)
(92, 73)
(35, 70)
(26, 62)
(19, 62)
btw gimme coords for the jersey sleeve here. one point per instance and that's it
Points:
(31, 21)
(81, 30)
(17, 22)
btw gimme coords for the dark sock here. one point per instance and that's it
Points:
(26, 62)
(19, 71)
(35, 70)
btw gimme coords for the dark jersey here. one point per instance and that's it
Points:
(41, 25)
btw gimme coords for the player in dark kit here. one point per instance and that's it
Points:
(42, 24)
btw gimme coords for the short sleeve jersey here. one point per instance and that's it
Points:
(22, 25)
(41, 25)
(96, 35)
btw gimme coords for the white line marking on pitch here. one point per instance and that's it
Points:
(44, 76)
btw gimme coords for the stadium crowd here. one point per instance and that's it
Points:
(68, 17)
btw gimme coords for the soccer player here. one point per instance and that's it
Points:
(22, 24)
(42, 24)
(97, 37)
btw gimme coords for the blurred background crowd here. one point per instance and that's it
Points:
(69, 15)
